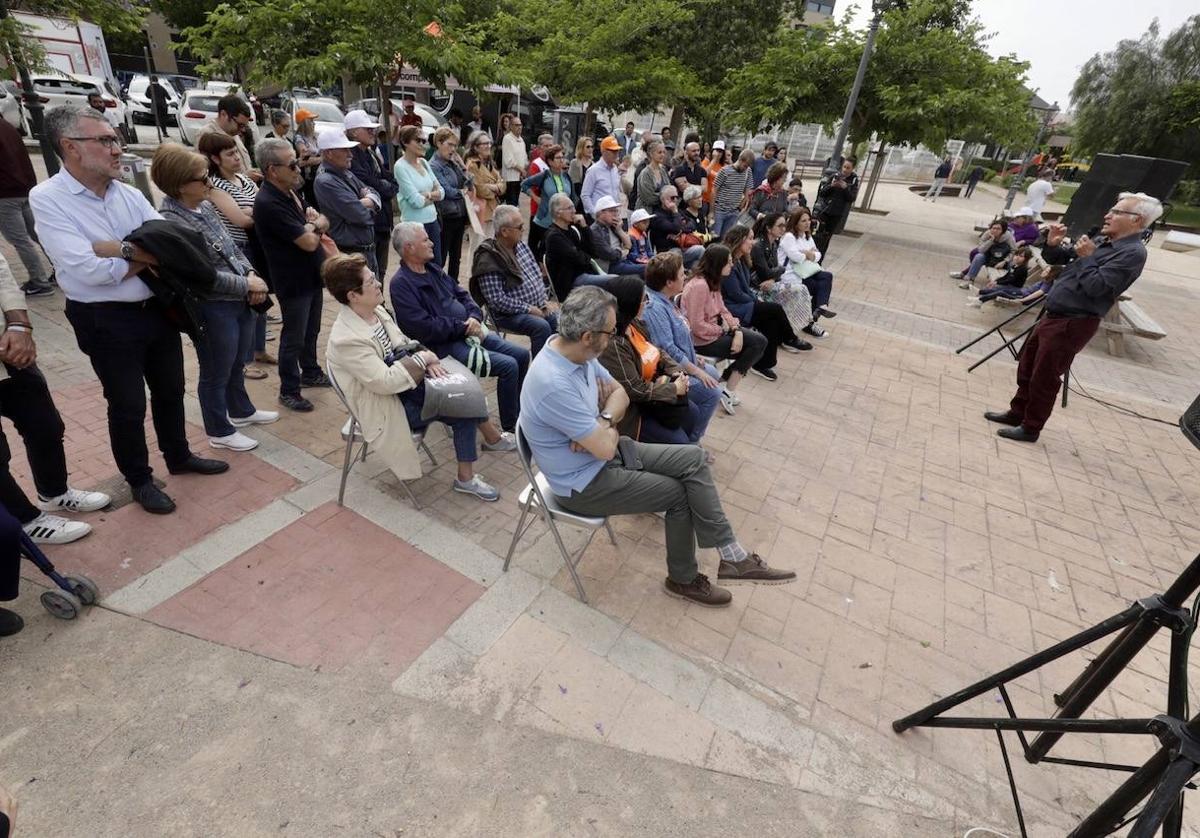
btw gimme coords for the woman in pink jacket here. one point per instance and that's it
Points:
(715, 331)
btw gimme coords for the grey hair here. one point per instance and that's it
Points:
(62, 121)
(279, 116)
(662, 193)
(691, 191)
(1148, 207)
(585, 310)
(406, 232)
(270, 152)
(505, 216)
(543, 137)
(557, 199)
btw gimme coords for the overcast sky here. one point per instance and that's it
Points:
(1057, 38)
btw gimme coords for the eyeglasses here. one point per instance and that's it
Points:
(1115, 211)
(109, 143)
(513, 227)
(294, 165)
(610, 332)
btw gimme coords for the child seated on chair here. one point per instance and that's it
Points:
(385, 378)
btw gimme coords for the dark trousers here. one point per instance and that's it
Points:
(970, 190)
(753, 346)
(820, 286)
(298, 340)
(433, 229)
(25, 401)
(133, 346)
(383, 250)
(453, 228)
(1047, 354)
(537, 328)
(512, 193)
(509, 365)
(823, 237)
(653, 431)
(537, 240)
(10, 556)
(464, 431)
(771, 320)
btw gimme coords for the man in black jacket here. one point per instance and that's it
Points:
(1079, 298)
(569, 250)
(837, 196)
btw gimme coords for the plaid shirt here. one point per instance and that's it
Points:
(531, 292)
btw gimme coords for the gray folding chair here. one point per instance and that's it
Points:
(352, 434)
(537, 493)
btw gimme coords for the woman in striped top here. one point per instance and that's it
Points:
(233, 196)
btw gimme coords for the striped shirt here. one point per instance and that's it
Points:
(381, 337)
(243, 191)
(732, 186)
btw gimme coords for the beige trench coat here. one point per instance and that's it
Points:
(371, 388)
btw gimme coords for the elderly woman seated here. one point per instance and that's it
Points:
(671, 229)
(385, 377)
(660, 409)
(182, 175)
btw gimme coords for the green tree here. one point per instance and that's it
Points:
(183, 14)
(930, 78)
(1142, 97)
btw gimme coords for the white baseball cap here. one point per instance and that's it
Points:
(639, 215)
(332, 138)
(359, 119)
(606, 202)
(719, 144)
(1025, 211)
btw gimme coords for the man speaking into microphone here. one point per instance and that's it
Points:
(1083, 293)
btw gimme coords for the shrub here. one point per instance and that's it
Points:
(1187, 193)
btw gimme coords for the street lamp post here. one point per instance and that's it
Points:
(879, 6)
(1019, 177)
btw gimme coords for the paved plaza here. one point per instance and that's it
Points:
(265, 662)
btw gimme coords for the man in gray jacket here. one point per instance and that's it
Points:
(345, 201)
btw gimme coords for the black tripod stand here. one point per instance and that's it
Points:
(1164, 776)
(1013, 344)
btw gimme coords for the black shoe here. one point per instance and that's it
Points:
(10, 623)
(797, 345)
(1006, 417)
(199, 465)
(319, 380)
(769, 375)
(699, 591)
(1019, 434)
(824, 312)
(296, 402)
(153, 499)
(37, 289)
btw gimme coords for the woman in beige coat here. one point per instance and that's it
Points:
(387, 397)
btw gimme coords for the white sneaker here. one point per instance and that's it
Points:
(732, 396)
(727, 403)
(74, 500)
(975, 302)
(956, 274)
(506, 442)
(53, 529)
(258, 417)
(477, 487)
(965, 284)
(234, 442)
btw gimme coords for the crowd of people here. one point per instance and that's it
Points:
(644, 304)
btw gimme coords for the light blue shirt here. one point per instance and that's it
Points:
(601, 179)
(69, 217)
(413, 182)
(560, 404)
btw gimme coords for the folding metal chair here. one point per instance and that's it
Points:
(352, 434)
(537, 493)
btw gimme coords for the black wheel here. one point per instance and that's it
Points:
(85, 589)
(61, 604)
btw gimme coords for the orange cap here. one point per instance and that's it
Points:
(610, 144)
(303, 114)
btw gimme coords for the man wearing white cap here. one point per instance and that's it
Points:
(345, 201)
(367, 165)
(610, 243)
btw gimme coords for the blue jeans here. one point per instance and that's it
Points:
(820, 286)
(298, 340)
(464, 430)
(592, 279)
(977, 263)
(724, 221)
(628, 269)
(222, 387)
(258, 342)
(509, 365)
(537, 328)
(705, 399)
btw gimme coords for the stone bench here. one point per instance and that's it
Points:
(1128, 318)
(1181, 242)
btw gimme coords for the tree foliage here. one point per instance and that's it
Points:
(292, 42)
(19, 47)
(929, 79)
(1143, 97)
(183, 14)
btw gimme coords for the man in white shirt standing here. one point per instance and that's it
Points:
(83, 215)
(514, 161)
(1039, 192)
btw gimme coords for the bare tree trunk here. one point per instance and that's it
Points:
(677, 114)
(873, 180)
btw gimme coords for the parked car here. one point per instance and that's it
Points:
(11, 110)
(224, 88)
(329, 115)
(197, 108)
(431, 119)
(114, 106)
(139, 99)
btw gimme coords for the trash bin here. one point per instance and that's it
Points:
(135, 172)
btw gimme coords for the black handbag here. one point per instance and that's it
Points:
(671, 415)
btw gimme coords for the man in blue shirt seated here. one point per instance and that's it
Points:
(570, 408)
(505, 274)
(434, 310)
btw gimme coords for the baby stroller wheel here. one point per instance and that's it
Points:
(85, 589)
(60, 604)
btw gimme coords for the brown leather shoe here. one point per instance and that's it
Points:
(753, 569)
(254, 373)
(699, 591)
(265, 357)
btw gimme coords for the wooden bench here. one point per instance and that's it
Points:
(1128, 318)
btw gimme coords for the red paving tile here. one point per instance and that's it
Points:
(128, 542)
(331, 589)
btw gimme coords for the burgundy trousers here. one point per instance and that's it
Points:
(1045, 357)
